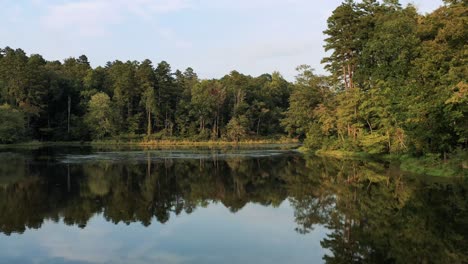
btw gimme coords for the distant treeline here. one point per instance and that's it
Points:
(397, 84)
(72, 101)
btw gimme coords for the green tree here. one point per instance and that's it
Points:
(186, 81)
(12, 124)
(308, 92)
(147, 80)
(125, 90)
(204, 105)
(236, 128)
(434, 123)
(100, 117)
(74, 71)
(167, 97)
(345, 37)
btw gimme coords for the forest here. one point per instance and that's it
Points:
(396, 84)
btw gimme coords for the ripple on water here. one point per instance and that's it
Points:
(118, 156)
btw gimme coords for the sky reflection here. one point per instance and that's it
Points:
(255, 234)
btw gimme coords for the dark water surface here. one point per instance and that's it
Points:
(84, 205)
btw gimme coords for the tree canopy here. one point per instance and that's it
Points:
(398, 81)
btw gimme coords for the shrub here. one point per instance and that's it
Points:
(12, 124)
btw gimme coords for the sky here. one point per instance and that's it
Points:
(213, 37)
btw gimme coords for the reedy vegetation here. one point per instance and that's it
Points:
(397, 84)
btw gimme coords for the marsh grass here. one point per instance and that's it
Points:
(217, 142)
(342, 154)
(157, 143)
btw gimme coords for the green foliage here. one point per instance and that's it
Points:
(374, 143)
(100, 117)
(399, 81)
(308, 92)
(59, 103)
(236, 128)
(12, 124)
(315, 138)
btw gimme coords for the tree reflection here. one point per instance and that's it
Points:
(378, 215)
(374, 212)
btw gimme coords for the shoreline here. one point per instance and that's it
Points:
(429, 164)
(152, 143)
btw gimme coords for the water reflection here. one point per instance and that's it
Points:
(373, 212)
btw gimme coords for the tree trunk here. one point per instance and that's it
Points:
(149, 123)
(166, 124)
(69, 114)
(345, 79)
(258, 126)
(217, 122)
(370, 127)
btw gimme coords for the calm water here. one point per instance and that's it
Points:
(84, 205)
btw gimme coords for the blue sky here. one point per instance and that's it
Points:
(211, 36)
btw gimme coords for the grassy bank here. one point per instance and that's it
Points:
(456, 165)
(217, 142)
(32, 144)
(340, 154)
(155, 143)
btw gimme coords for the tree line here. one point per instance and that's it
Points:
(397, 84)
(51, 100)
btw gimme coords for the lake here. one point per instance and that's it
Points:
(235, 205)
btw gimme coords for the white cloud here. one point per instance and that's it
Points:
(94, 17)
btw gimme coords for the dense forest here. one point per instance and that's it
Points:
(50, 100)
(397, 84)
